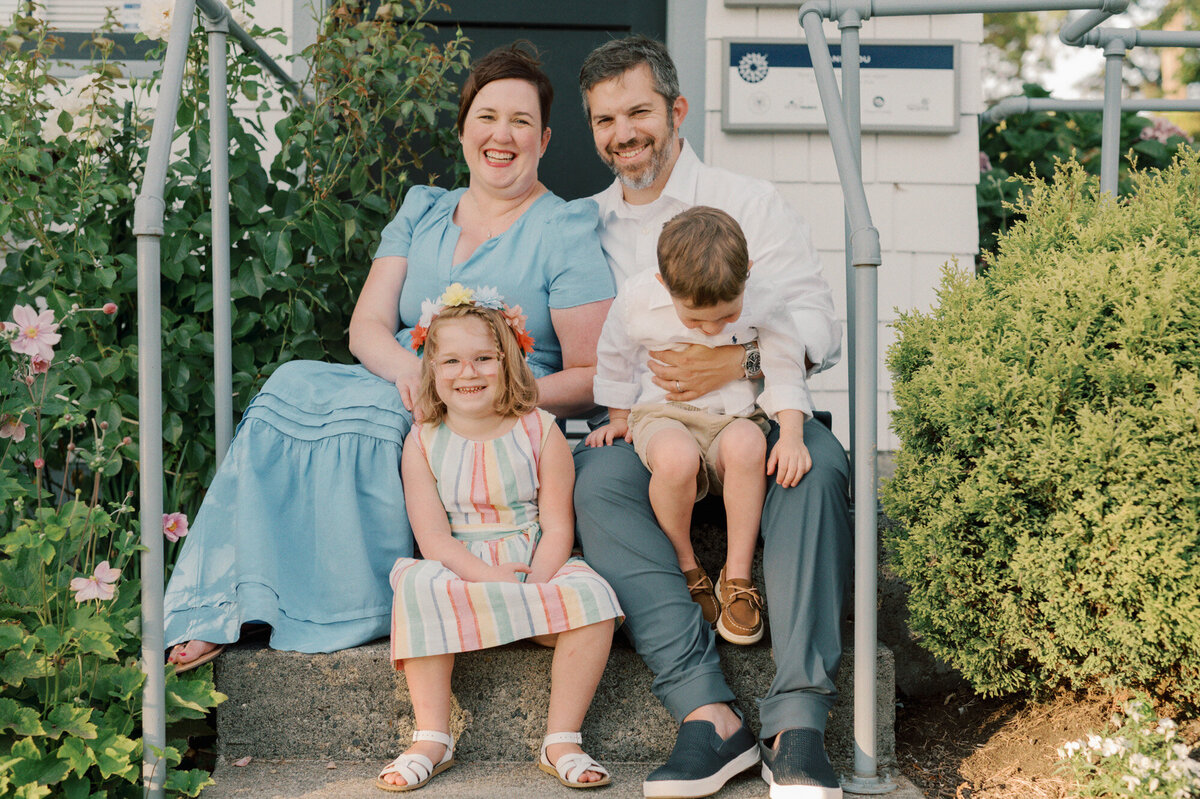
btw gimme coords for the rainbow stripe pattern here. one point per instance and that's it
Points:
(489, 490)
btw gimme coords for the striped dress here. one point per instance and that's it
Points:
(489, 490)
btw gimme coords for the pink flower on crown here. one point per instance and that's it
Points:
(36, 332)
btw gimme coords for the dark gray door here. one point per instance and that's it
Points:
(563, 31)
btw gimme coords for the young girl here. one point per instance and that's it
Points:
(488, 482)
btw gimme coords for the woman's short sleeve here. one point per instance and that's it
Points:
(398, 234)
(579, 272)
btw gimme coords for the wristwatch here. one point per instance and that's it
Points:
(752, 361)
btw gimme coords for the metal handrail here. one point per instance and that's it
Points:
(149, 210)
(863, 257)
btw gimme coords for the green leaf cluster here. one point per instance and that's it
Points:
(303, 226)
(70, 672)
(1032, 144)
(1048, 484)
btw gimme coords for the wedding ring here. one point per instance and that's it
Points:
(678, 390)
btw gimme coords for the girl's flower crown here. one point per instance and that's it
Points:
(484, 297)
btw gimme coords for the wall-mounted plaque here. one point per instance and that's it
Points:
(905, 86)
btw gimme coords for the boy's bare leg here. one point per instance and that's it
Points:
(674, 459)
(429, 689)
(579, 659)
(741, 465)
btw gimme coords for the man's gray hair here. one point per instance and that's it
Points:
(616, 57)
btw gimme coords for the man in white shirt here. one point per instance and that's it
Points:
(631, 95)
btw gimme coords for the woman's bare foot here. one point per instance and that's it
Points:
(555, 751)
(183, 654)
(431, 749)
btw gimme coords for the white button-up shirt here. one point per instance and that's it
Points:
(785, 259)
(643, 319)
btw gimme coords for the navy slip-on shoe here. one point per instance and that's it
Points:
(798, 768)
(701, 762)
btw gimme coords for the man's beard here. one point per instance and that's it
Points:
(659, 160)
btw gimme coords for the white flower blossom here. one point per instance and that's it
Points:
(51, 130)
(1071, 747)
(156, 18)
(1131, 781)
(1093, 742)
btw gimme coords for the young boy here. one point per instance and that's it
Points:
(717, 442)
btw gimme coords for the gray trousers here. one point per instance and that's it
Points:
(808, 553)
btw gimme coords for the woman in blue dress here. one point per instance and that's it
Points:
(305, 517)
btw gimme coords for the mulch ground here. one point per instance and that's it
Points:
(961, 746)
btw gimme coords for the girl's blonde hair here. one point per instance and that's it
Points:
(517, 393)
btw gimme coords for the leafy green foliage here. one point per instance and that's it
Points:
(1031, 145)
(70, 635)
(1048, 484)
(303, 228)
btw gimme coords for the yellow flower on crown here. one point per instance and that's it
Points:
(456, 294)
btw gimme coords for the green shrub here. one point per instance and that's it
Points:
(1030, 144)
(1048, 484)
(70, 620)
(303, 229)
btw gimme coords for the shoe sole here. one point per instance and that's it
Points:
(798, 791)
(694, 789)
(734, 638)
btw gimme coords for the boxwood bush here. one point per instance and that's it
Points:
(1048, 484)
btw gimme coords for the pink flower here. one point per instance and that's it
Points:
(109, 308)
(38, 463)
(35, 332)
(99, 586)
(12, 427)
(175, 526)
(40, 365)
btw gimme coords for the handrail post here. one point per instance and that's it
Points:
(1110, 131)
(218, 120)
(149, 209)
(849, 24)
(865, 256)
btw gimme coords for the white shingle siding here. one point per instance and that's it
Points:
(920, 188)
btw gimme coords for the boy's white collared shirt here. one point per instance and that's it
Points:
(779, 241)
(643, 319)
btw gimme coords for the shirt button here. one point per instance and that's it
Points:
(645, 231)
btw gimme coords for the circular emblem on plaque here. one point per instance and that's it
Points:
(753, 67)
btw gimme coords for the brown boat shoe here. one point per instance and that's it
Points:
(740, 621)
(701, 588)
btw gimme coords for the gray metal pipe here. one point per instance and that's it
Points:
(1110, 130)
(863, 246)
(1010, 106)
(1073, 32)
(217, 11)
(218, 115)
(850, 23)
(148, 227)
(898, 8)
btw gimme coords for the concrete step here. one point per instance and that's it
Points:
(351, 705)
(293, 779)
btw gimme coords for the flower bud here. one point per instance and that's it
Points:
(109, 308)
(125, 442)
(38, 463)
(104, 425)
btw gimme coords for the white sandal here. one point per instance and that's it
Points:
(571, 766)
(418, 769)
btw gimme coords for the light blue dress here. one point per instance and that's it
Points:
(305, 517)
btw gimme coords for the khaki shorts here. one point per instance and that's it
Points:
(703, 426)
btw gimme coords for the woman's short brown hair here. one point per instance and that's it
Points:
(517, 393)
(703, 258)
(512, 61)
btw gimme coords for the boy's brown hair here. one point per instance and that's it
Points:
(703, 258)
(518, 391)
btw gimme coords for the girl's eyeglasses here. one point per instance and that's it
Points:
(484, 364)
